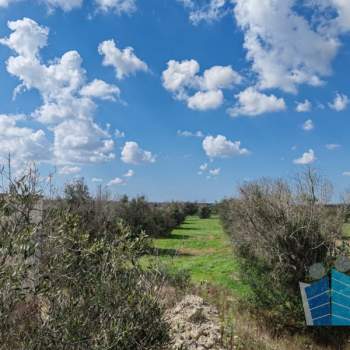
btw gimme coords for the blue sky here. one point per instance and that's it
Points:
(175, 99)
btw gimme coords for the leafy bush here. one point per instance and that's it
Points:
(63, 287)
(279, 230)
(205, 212)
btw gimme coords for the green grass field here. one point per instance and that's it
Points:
(346, 231)
(200, 247)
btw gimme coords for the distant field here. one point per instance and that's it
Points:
(346, 231)
(201, 247)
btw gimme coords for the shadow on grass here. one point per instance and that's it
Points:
(184, 228)
(167, 252)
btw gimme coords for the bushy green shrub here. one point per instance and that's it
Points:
(62, 287)
(205, 212)
(279, 230)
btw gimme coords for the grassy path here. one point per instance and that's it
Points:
(200, 247)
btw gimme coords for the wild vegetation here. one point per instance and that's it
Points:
(78, 272)
(279, 230)
(70, 278)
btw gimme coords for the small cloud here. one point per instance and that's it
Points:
(346, 173)
(303, 106)
(332, 146)
(129, 173)
(308, 125)
(119, 134)
(307, 158)
(69, 170)
(215, 172)
(221, 147)
(252, 103)
(339, 103)
(185, 133)
(96, 180)
(132, 153)
(115, 182)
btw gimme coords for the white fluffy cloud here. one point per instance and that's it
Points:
(307, 158)
(303, 106)
(100, 89)
(133, 154)
(339, 103)
(220, 77)
(124, 61)
(119, 134)
(27, 37)
(252, 103)
(22, 143)
(221, 147)
(284, 48)
(118, 6)
(200, 92)
(203, 101)
(77, 138)
(81, 141)
(308, 125)
(115, 182)
(70, 170)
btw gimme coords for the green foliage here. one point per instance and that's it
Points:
(279, 230)
(205, 212)
(64, 287)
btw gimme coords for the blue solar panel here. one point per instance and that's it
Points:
(328, 300)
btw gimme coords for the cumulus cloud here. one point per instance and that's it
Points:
(284, 48)
(308, 125)
(303, 106)
(100, 89)
(132, 153)
(221, 147)
(307, 158)
(68, 107)
(203, 101)
(186, 133)
(200, 92)
(27, 37)
(124, 61)
(339, 103)
(115, 182)
(118, 6)
(82, 141)
(22, 143)
(251, 103)
(70, 170)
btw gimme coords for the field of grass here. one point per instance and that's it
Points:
(346, 231)
(201, 247)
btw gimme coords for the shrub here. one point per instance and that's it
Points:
(205, 212)
(278, 231)
(62, 287)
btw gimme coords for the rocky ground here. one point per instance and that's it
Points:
(195, 325)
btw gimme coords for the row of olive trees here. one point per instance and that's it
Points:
(279, 229)
(69, 274)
